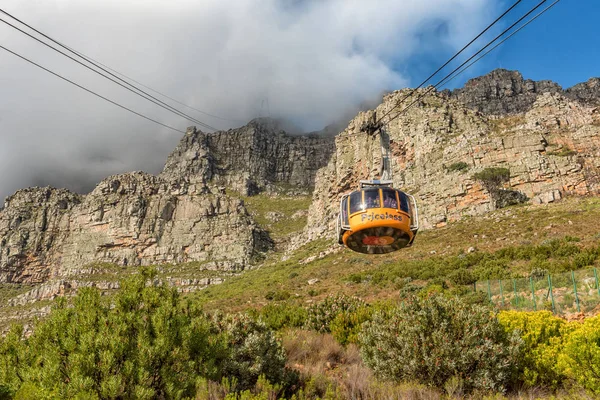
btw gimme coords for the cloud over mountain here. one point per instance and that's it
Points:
(308, 61)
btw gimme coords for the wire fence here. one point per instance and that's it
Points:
(566, 293)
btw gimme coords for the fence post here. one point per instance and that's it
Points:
(489, 291)
(551, 294)
(532, 293)
(597, 284)
(515, 291)
(475, 286)
(501, 292)
(575, 290)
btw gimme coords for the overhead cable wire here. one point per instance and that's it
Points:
(89, 59)
(142, 93)
(503, 40)
(439, 83)
(89, 91)
(453, 57)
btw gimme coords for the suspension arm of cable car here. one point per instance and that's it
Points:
(376, 218)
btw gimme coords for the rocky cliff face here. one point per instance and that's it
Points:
(129, 219)
(183, 215)
(549, 142)
(249, 159)
(586, 92)
(503, 92)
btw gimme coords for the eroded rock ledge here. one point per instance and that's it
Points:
(129, 219)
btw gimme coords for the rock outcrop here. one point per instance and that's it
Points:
(249, 159)
(586, 92)
(129, 219)
(502, 92)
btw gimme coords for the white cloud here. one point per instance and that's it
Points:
(313, 60)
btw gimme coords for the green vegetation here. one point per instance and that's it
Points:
(555, 255)
(319, 324)
(556, 351)
(493, 178)
(441, 341)
(279, 215)
(322, 314)
(541, 332)
(144, 344)
(580, 356)
(563, 152)
(148, 342)
(279, 316)
(460, 166)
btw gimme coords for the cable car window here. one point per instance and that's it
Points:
(404, 202)
(372, 198)
(345, 211)
(356, 202)
(389, 198)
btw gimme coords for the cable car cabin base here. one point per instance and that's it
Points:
(377, 219)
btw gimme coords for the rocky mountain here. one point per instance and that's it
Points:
(503, 92)
(547, 137)
(183, 215)
(250, 159)
(549, 140)
(129, 219)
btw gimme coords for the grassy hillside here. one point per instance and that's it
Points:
(506, 243)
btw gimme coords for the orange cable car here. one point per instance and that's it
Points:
(377, 219)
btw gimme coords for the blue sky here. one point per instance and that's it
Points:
(563, 45)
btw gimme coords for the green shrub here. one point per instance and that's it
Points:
(145, 343)
(476, 298)
(584, 259)
(507, 197)
(491, 268)
(492, 177)
(430, 289)
(563, 152)
(278, 295)
(580, 357)
(355, 278)
(278, 316)
(437, 339)
(253, 351)
(5, 393)
(320, 315)
(541, 333)
(346, 326)
(492, 180)
(142, 346)
(458, 166)
(462, 276)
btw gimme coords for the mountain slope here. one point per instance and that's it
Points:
(202, 213)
